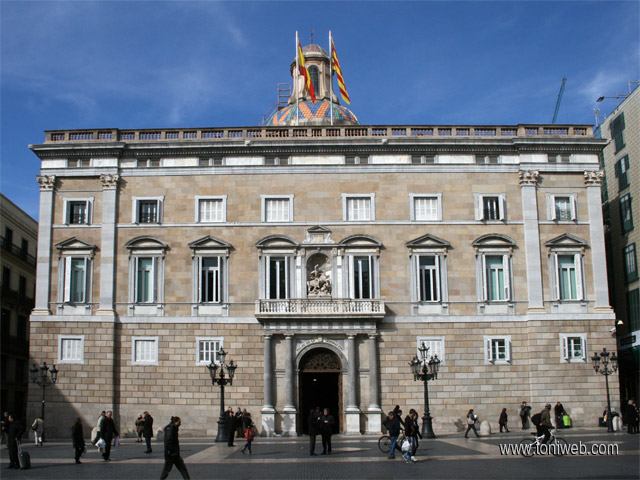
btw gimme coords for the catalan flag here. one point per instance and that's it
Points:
(305, 73)
(336, 68)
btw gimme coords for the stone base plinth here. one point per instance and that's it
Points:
(374, 421)
(289, 423)
(268, 422)
(353, 422)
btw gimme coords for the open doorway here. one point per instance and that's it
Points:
(320, 386)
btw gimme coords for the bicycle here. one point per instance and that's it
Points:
(384, 443)
(528, 449)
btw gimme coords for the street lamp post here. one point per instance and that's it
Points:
(425, 369)
(606, 366)
(39, 376)
(218, 376)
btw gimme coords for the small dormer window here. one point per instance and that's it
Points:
(315, 78)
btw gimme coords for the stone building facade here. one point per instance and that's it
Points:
(621, 192)
(320, 253)
(19, 241)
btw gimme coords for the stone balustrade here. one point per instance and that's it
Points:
(314, 308)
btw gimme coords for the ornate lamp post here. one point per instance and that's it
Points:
(608, 366)
(218, 376)
(425, 369)
(39, 377)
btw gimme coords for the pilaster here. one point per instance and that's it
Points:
(43, 262)
(289, 410)
(528, 185)
(352, 411)
(268, 410)
(374, 418)
(108, 244)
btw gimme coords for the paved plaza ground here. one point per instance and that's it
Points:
(448, 456)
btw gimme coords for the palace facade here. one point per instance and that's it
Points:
(320, 253)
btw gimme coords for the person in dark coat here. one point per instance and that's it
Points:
(412, 432)
(393, 427)
(525, 413)
(230, 419)
(559, 412)
(172, 450)
(14, 432)
(326, 430)
(630, 417)
(5, 424)
(139, 427)
(107, 433)
(502, 421)
(147, 430)
(77, 436)
(313, 423)
(248, 428)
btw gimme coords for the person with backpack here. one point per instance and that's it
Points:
(543, 424)
(472, 418)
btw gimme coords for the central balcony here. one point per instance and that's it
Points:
(320, 308)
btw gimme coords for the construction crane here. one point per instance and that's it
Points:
(555, 114)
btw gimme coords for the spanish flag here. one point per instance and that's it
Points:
(336, 68)
(305, 73)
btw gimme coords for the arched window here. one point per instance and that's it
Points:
(315, 78)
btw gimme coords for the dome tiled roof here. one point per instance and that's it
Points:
(313, 49)
(309, 112)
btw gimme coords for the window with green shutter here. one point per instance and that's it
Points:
(626, 215)
(630, 263)
(622, 167)
(617, 131)
(633, 307)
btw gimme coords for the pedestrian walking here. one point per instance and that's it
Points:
(326, 429)
(525, 413)
(412, 432)
(313, 424)
(14, 432)
(630, 417)
(249, 431)
(172, 450)
(230, 419)
(502, 421)
(139, 427)
(147, 430)
(77, 437)
(393, 427)
(472, 418)
(559, 412)
(107, 433)
(38, 430)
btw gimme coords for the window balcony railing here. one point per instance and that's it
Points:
(325, 308)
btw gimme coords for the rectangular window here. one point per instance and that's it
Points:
(428, 278)
(22, 327)
(497, 350)
(145, 350)
(145, 279)
(75, 279)
(24, 249)
(210, 291)
(435, 346)
(633, 307)
(573, 347)
(359, 209)
(630, 264)
(569, 276)
(617, 131)
(277, 209)
(71, 349)
(362, 280)
(211, 210)
(8, 238)
(22, 286)
(621, 169)
(490, 207)
(78, 213)
(148, 211)
(6, 277)
(208, 350)
(426, 208)
(278, 278)
(5, 330)
(497, 278)
(626, 215)
(563, 208)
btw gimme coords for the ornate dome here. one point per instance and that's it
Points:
(318, 113)
(313, 49)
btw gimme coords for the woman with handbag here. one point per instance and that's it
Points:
(249, 432)
(472, 418)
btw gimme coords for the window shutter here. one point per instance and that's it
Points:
(85, 286)
(578, 262)
(553, 207)
(199, 279)
(485, 294)
(617, 169)
(507, 349)
(583, 341)
(160, 203)
(565, 348)
(287, 266)
(488, 351)
(437, 285)
(351, 277)
(67, 279)
(501, 206)
(574, 208)
(626, 162)
(87, 219)
(479, 209)
(152, 279)
(557, 275)
(371, 277)
(507, 277)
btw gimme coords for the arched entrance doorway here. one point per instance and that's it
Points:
(320, 385)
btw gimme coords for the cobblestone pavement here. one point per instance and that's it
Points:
(448, 456)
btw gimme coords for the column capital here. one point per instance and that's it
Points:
(529, 177)
(47, 182)
(109, 181)
(593, 178)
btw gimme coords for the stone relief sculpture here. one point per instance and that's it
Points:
(318, 283)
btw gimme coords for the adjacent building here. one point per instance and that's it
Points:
(620, 195)
(18, 257)
(320, 253)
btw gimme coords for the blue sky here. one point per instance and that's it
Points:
(146, 64)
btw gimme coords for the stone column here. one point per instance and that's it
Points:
(108, 243)
(289, 410)
(528, 185)
(268, 410)
(352, 410)
(43, 262)
(374, 422)
(593, 180)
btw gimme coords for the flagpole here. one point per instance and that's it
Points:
(331, 75)
(295, 79)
